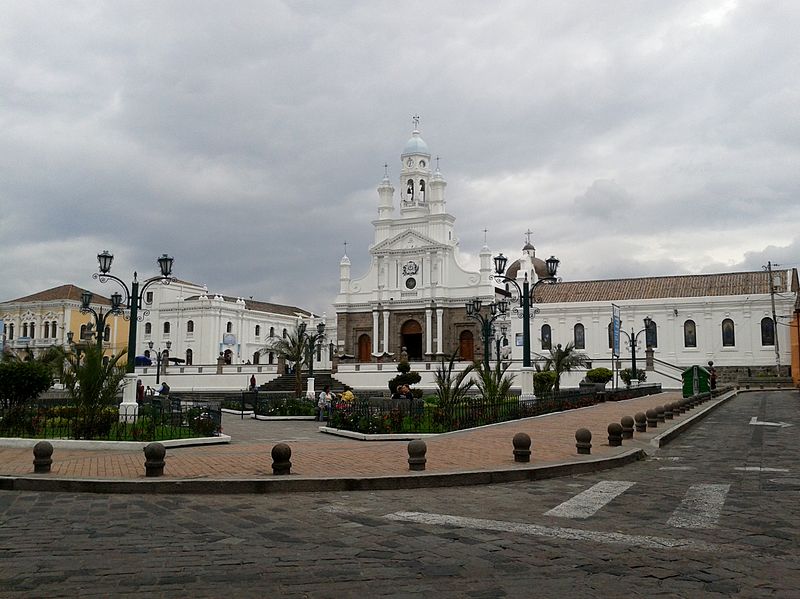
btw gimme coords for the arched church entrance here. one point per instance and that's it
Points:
(466, 346)
(411, 339)
(228, 356)
(364, 348)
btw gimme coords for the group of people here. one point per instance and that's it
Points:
(327, 397)
(142, 392)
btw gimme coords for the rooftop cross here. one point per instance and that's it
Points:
(345, 248)
(415, 119)
(528, 234)
(485, 231)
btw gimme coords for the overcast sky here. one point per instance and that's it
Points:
(247, 139)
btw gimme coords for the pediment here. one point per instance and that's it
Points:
(405, 242)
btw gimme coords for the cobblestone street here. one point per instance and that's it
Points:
(713, 514)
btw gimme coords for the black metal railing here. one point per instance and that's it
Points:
(157, 419)
(272, 403)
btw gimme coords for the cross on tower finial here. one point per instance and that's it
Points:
(415, 119)
(386, 170)
(485, 231)
(437, 163)
(528, 234)
(345, 248)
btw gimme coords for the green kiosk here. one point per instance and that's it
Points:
(696, 379)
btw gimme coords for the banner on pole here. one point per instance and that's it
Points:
(615, 326)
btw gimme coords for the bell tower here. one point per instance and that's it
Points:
(415, 173)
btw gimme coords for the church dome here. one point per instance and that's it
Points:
(416, 145)
(539, 267)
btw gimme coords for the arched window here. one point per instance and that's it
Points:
(651, 335)
(46, 329)
(271, 331)
(271, 358)
(11, 331)
(229, 327)
(148, 328)
(33, 330)
(257, 358)
(728, 333)
(421, 191)
(24, 329)
(466, 346)
(579, 336)
(53, 329)
(190, 326)
(410, 189)
(83, 331)
(166, 328)
(285, 334)
(189, 357)
(689, 334)
(107, 334)
(547, 337)
(258, 334)
(148, 298)
(767, 331)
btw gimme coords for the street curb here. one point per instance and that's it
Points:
(290, 483)
(667, 436)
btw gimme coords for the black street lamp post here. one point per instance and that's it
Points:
(100, 317)
(160, 355)
(525, 296)
(311, 342)
(496, 310)
(133, 296)
(633, 341)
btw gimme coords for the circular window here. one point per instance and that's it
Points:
(411, 282)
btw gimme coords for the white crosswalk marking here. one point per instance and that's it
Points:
(588, 502)
(701, 507)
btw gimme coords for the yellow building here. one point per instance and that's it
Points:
(33, 323)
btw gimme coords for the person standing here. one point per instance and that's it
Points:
(324, 402)
(139, 392)
(252, 382)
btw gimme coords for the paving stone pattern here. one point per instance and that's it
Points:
(320, 545)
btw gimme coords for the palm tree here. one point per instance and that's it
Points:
(563, 360)
(449, 389)
(493, 383)
(292, 349)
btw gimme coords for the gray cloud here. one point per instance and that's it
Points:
(247, 140)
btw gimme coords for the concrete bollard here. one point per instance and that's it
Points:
(154, 459)
(627, 427)
(615, 434)
(641, 422)
(522, 447)
(660, 413)
(680, 406)
(42, 457)
(416, 454)
(281, 459)
(668, 411)
(583, 441)
(652, 418)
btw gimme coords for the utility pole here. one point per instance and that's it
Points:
(768, 268)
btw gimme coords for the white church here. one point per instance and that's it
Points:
(412, 301)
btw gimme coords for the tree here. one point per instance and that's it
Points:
(564, 359)
(21, 382)
(449, 389)
(626, 374)
(93, 384)
(599, 375)
(292, 349)
(493, 383)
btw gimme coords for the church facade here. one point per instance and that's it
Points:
(413, 296)
(412, 301)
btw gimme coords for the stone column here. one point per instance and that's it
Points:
(375, 337)
(386, 330)
(439, 331)
(428, 331)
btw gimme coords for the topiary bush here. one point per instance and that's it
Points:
(627, 375)
(599, 375)
(544, 381)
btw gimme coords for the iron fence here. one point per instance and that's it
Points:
(157, 419)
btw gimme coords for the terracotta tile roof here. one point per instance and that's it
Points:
(733, 283)
(62, 292)
(260, 306)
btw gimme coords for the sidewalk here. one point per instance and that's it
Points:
(319, 456)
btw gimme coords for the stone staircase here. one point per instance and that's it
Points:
(285, 382)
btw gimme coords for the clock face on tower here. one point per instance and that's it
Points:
(409, 163)
(411, 282)
(421, 164)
